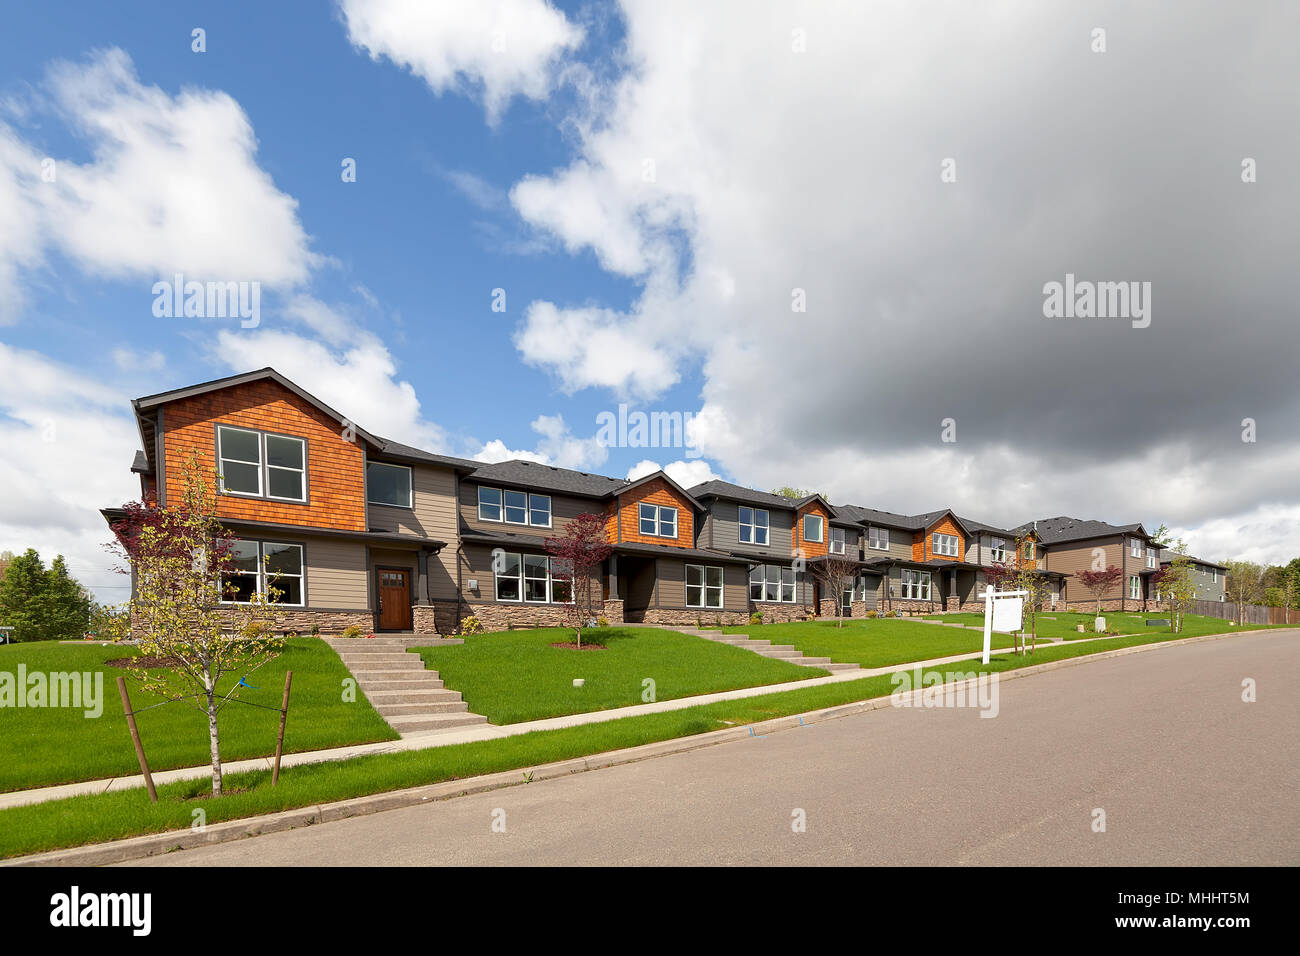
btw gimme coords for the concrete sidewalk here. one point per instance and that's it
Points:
(460, 735)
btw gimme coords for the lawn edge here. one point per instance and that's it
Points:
(142, 847)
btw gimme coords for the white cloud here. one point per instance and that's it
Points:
(173, 186)
(686, 473)
(501, 48)
(557, 446)
(129, 360)
(725, 175)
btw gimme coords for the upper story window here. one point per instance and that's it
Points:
(1215, 572)
(998, 549)
(837, 540)
(812, 528)
(659, 521)
(1135, 547)
(945, 544)
(388, 484)
(703, 586)
(1151, 557)
(261, 465)
(514, 507)
(1028, 550)
(878, 539)
(754, 525)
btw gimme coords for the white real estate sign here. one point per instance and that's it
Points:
(1002, 612)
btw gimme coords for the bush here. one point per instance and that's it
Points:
(352, 630)
(756, 618)
(315, 630)
(471, 625)
(602, 622)
(872, 615)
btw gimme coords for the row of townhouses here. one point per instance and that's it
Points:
(355, 529)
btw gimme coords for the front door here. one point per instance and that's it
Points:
(394, 599)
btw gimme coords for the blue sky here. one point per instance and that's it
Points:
(655, 186)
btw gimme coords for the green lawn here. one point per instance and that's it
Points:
(871, 642)
(510, 676)
(1061, 624)
(100, 817)
(45, 746)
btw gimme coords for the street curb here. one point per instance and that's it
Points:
(155, 844)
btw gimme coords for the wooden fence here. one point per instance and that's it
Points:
(1254, 613)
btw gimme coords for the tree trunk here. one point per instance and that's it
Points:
(214, 741)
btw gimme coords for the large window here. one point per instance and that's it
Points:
(837, 540)
(1134, 587)
(658, 521)
(262, 566)
(812, 528)
(260, 465)
(772, 583)
(878, 539)
(945, 544)
(998, 550)
(916, 585)
(1151, 557)
(703, 586)
(514, 507)
(754, 525)
(388, 484)
(1135, 547)
(529, 578)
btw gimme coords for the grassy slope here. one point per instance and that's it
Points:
(46, 746)
(871, 643)
(513, 676)
(89, 819)
(1061, 624)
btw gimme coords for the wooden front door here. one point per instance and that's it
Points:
(394, 599)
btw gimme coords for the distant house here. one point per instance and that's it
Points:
(1207, 576)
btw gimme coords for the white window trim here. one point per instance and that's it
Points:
(843, 541)
(261, 462)
(774, 574)
(940, 549)
(529, 496)
(500, 505)
(550, 514)
(882, 538)
(302, 472)
(913, 583)
(821, 529)
(1134, 587)
(523, 577)
(998, 549)
(1135, 547)
(705, 587)
(753, 526)
(410, 486)
(659, 511)
(262, 574)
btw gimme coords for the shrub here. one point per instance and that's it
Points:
(872, 615)
(471, 625)
(756, 618)
(352, 630)
(602, 621)
(315, 630)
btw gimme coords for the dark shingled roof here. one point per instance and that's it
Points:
(530, 474)
(1055, 530)
(393, 449)
(141, 464)
(1167, 556)
(750, 496)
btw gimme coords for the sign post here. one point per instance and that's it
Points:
(1002, 612)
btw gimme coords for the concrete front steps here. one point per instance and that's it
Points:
(785, 652)
(411, 698)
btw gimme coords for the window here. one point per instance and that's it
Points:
(1215, 572)
(945, 544)
(388, 484)
(812, 527)
(837, 540)
(260, 465)
(703, 586)
(1028, 551)
(539, 511)
(772, 583)
(754, 525)
(1134, 587)
(239, 452)
(659, 521)
(489, 504)
(1135, 547)
(530, 578)
(878, 539)
(998, 550)
(260, 566)
(916, 585)
(1151, 557)
(514, 507)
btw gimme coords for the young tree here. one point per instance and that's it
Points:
(1176, 585)
(1100, 582)
(1244, 585)
(185, 566)
(576, 558)
(836, 574)
(786, 491)
(42, 604)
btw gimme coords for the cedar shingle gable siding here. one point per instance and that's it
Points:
(811, 549)
(624, 524)
(921, 543)
(335, 467)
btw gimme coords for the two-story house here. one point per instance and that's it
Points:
(1208, 578)
(1077, 544)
